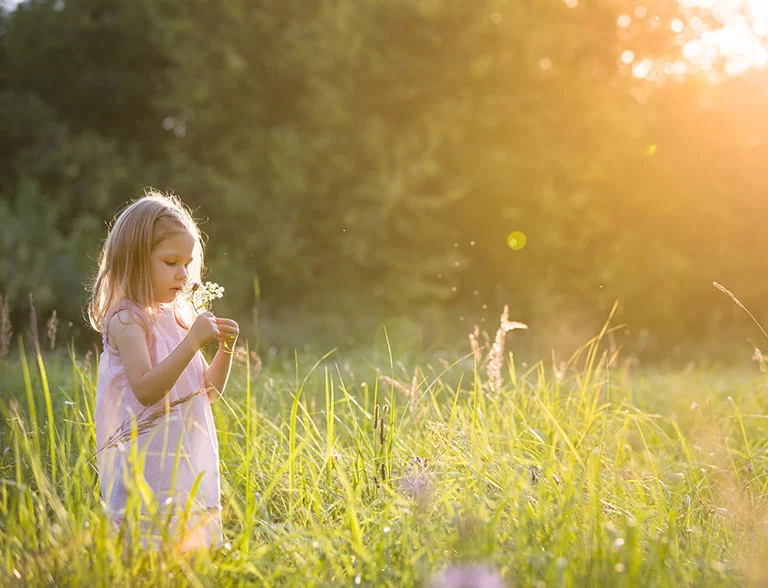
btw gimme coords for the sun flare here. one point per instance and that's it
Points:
(737, 44)
(714, 38)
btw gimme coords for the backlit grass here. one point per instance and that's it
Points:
(373, 470)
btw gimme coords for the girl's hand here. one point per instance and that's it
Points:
(229, 330)
(204, 330)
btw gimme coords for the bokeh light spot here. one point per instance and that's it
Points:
(516, 240)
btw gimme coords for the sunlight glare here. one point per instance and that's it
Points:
(737, 46)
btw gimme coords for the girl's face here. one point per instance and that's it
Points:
(169, 266)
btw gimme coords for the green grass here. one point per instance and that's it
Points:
(599, 474)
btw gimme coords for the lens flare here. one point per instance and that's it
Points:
(516, 240)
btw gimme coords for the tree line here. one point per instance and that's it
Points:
(369, 159)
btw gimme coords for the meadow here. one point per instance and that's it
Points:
(385, 467)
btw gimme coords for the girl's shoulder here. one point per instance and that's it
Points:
(125, 312)
(125, 315)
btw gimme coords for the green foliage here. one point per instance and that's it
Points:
(95, 62)
(340, 152)
(49, 245)
(356, 177)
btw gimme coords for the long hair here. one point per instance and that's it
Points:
(124, 259)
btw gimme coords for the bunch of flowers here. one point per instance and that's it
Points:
(201, 296)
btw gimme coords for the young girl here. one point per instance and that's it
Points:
(154, 385)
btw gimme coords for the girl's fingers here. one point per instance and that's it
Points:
(226, 328)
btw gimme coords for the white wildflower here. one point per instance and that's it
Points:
(202, 295)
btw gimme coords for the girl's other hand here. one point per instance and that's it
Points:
(204, 330)
(229, 332)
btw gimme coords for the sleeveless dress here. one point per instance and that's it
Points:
(176, 454)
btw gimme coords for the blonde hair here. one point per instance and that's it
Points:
(124, 260)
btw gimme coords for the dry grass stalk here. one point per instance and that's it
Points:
(87, 362)
(408, 391)
(477, 351)
(758, 357)
(738, 302)
(241, 356)
(6, 329)
(33, 332)
(51, 326)
(258, 365)
(398, 385)
(496, 355)
(125, 431)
